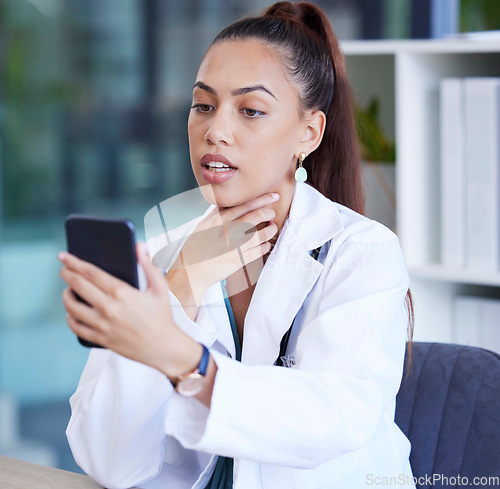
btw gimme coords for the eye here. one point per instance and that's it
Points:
(252, 113)
(202, 107)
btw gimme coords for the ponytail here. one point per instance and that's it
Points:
(334, 169)
(313, 61)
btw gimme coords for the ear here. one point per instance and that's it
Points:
(314, 125)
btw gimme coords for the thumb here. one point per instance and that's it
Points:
(155, 280)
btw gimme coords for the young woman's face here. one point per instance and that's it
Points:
(246, 115)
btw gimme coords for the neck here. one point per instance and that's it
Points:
(282, 209)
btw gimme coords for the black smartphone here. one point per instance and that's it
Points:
(108, 244)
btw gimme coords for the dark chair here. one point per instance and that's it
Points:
(449, 408)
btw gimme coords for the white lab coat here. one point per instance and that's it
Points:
(325, 422)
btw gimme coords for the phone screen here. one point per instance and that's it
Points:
(107, 243)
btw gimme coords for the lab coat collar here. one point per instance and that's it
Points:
(313, 218)
(287, 277)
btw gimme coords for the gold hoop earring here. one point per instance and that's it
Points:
(300, 172)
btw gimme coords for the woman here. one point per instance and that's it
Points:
(270, 91)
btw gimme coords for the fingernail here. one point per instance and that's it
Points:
(62, 255)
(275, 196)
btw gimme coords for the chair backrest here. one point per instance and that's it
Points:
(449, 408)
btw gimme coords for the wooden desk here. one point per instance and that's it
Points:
(17, 474)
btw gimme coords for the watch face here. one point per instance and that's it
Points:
(191, 385)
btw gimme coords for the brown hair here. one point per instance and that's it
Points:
(311, 54)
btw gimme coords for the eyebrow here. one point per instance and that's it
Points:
(237, 91)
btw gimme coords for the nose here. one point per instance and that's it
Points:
(219, 129)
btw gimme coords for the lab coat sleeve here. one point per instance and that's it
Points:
(115, 431)
(349, 361)
(117, 428)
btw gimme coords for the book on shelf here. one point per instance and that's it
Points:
(470, 173)
(475, 322)
(482, 161)
(452, 173)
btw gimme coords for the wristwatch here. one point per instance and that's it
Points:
(192, 383)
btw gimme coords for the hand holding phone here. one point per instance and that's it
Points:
(108, 244)
(137, 324)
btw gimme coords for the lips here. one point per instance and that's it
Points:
(216, 169)
(213, 158)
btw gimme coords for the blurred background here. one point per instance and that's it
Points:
(94, 102)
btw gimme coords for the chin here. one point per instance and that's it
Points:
(227, 202)
(223, 197)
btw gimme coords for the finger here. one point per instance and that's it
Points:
(256, 252)
(221, 240)
(84, 331)
(207, 244)
(260, 237)
(88, 291)
(79, 310)
(155, 279)
(92, 273)
(233, 213)
(232, 235)
(258, 216)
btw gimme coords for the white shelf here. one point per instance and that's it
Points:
(405, 77)
(434, 46)
(455, 275)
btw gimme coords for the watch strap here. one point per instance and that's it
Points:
(201, 368)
